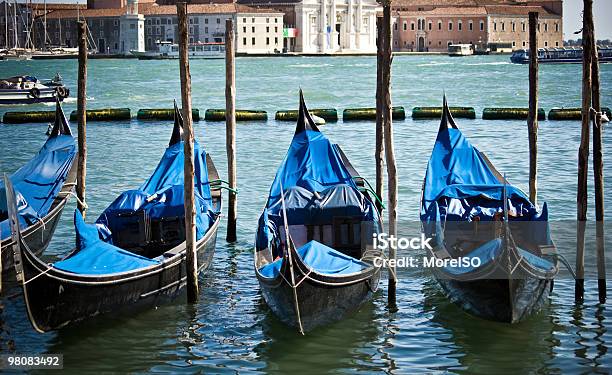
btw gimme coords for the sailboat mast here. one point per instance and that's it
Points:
(45, 28)
(6, 34)
(15, 23)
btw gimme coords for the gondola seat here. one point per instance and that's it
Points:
(323, 259)
(96, 257)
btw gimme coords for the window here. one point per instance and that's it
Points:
(395, 26)
(450, 26)
(460, 26)
(440, 43)
(439, 25)
(267, 20)
(430, 25)
(275, 29)
(267, 29)
(513, 27)
(253, 28)
(276, 20)
(267, 41)
(557, 29)
(253, 40)
(546, 27)
(524, 44)
(538, 27)
(411, 26)
(206, 21)
(503, 26)
(132, 26)
(524, 26)
(244, 29)
(481, 25)
(190, 21)
(513, 44)
(116, 22)
(276, 40)
(244, 41)
(495, 26)
(101, 22)
(556, 44)
(253, 20)
(545, 44)
(191, 30)
(218, 21)
(206, 30)
(471, 25)
(244, 21)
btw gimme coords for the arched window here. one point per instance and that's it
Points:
(439, 25)
(412, 26)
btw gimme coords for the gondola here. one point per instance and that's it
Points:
(134, 256)
(313, 254)
(492, 246)
(43, 187)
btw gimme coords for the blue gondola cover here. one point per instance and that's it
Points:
(38, 182)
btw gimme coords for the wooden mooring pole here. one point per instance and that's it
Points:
(81, 117)
(190, 230)
(532, 122)
(598, 171)
(583, 151)
(230, 127)
(387, 59)
(380, 148)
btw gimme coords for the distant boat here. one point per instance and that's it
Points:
(56, 53)
(168, 50)
(460, 50)
(568, 55)
(15, 54)
(28, 90)
(491, 246)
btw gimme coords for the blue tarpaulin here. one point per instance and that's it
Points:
(323, 259)
(38, 182)
(487, 253)
(162, 194)
(96, 257)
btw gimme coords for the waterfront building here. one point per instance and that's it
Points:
(118, 26)
(326, 26)
(497, 25)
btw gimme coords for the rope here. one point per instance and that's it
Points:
(37, 276)
(83, 204)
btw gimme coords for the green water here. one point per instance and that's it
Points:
(231, 329)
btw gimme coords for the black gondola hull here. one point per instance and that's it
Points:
(507, 301)
(55, 299)
(318, 304)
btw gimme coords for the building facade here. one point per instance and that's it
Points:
(431, 25)
(326, 26)
(139, 26)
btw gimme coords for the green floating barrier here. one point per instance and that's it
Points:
(28, 117)
(241, 115)
(163, 114)
(351, 114)
(570, 114)
(327, 114)
(510, 114)
(436, 112)
(106, 114)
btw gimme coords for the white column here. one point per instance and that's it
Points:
(323, 27)
(359, 24)
(332, 21)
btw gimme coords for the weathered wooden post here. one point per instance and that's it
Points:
(598, 172)
(387, 59)
(230, 127)
(190, 230)
(82, 117)
(380, 148)
(532, 122)
(583, 151)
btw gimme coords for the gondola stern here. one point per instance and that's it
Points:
(447, 118)
(60, 124)
(305, 120)
(177, 131)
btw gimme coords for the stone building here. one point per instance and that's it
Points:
(431, 25)
(324, 26)
(140, 25)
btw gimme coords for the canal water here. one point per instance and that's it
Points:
(231, 329)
